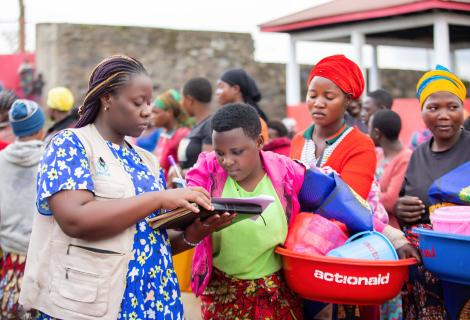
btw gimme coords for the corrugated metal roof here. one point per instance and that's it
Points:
(340, 11)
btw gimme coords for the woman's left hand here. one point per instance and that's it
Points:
(408, 251)
(198, 230)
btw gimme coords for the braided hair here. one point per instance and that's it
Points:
(109, 75)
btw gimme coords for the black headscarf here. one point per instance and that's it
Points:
(248, 88)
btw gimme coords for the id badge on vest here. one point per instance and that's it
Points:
(102, 168)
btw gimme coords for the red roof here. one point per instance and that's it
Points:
(342, 11)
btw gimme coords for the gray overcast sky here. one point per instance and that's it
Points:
(238, 16)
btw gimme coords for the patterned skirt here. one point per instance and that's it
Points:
(266, 298)
(423, 296)
(391, 310)
(12, 270)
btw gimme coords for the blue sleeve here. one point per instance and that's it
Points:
(64, 166)
(162, 180)
(149, 142)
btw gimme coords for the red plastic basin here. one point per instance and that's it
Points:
(342, 280)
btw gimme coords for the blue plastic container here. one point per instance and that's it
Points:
(445, 254)
(456, 296)
(367, 245)
(329, 196)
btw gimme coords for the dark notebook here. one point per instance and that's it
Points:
(180, 218)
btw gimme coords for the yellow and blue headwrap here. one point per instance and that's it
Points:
(440, 79)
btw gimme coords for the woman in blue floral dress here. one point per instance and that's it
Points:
(118, 104)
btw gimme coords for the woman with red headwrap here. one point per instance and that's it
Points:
(333, 84)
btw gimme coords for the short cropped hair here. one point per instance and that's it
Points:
(388, 122)
(382, 97)
(237, 115)
(199, 88)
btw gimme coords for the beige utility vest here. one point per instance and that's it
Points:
(69, 278)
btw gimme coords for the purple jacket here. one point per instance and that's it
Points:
(287, 177)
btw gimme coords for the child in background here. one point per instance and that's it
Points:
(392, 162)
(376, 100)
(19, 164)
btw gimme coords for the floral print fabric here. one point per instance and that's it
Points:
(227, 298)
(11, 276)
(423, 295)
(152, 290)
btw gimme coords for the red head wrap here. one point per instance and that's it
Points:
(343, 72)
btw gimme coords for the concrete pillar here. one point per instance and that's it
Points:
(441, 42)
(453, 61)
(374, 74)
(429, 59)
(358, 40)
(292, 75)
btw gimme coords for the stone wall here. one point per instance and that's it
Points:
(67, 53)
(400, 83)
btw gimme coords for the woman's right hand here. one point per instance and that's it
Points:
(409, 210)
(185, 198)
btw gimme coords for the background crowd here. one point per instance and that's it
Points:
(353, 133)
